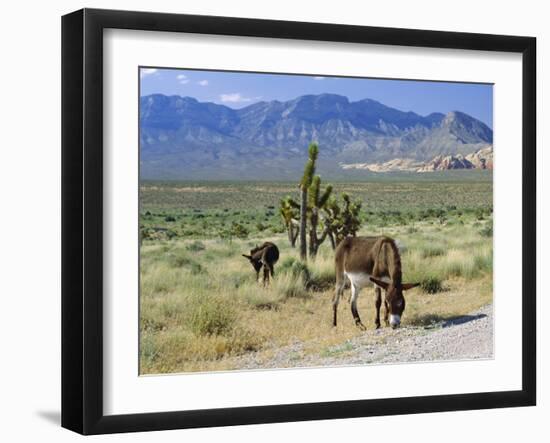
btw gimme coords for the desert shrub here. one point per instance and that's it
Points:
(483, 262)
(433, 251)
(295, 268)
(195, 268)
(177, 259)
(278, 229)
(147, 349)
(431, 284)
(211, 316)
(164, 352)
(169, 218)
(286, 264)
(170, 234)
(322, 273)
(487, 230)
(294, 277)
(195, 246)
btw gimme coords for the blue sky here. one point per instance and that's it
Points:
(239, 89)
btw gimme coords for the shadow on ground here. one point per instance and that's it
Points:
(435, 320)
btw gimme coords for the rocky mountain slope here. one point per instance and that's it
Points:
(482, 159)
(181, 137)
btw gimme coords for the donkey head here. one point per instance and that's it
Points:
(394, 299)
(255, 260)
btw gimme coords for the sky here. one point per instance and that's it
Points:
(239, 89)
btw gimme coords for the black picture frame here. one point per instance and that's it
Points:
(82, 218)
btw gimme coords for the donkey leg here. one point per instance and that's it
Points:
(354, 294)
(377, 303)
(266, 275)
(337, 294)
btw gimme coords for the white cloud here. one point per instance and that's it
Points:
(203, 83)
(182, 79)
(235, 97)
(318, 78)
(144, 72)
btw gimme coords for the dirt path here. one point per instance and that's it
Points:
(462, 338)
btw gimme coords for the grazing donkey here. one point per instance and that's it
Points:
(371, 259)
(265, 255)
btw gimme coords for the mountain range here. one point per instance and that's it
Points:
(182, 138)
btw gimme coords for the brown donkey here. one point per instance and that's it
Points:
(265, 255)
(367, 260)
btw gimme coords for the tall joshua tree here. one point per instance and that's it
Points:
(317, 202)
(305, 183)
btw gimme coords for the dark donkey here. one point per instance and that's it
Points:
(367, 260)
(265, 255)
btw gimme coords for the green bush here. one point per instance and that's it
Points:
(286, 264)
(431, 285)
(178, 260)
(487, 230)
(211, 316)
(295, 268)
(195, 246)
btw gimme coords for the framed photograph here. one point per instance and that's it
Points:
(269, 221)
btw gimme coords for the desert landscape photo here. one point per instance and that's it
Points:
(294, 221)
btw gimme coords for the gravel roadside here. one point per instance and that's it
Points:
(463, 338)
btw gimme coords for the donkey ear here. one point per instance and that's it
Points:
(380, 283)
(247, 256)
(406, 286)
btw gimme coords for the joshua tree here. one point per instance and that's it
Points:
(318, 208)
(290, 211)
(305, 183)
(317, 202)
(341, 221)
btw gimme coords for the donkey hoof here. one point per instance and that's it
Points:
(360, 326)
